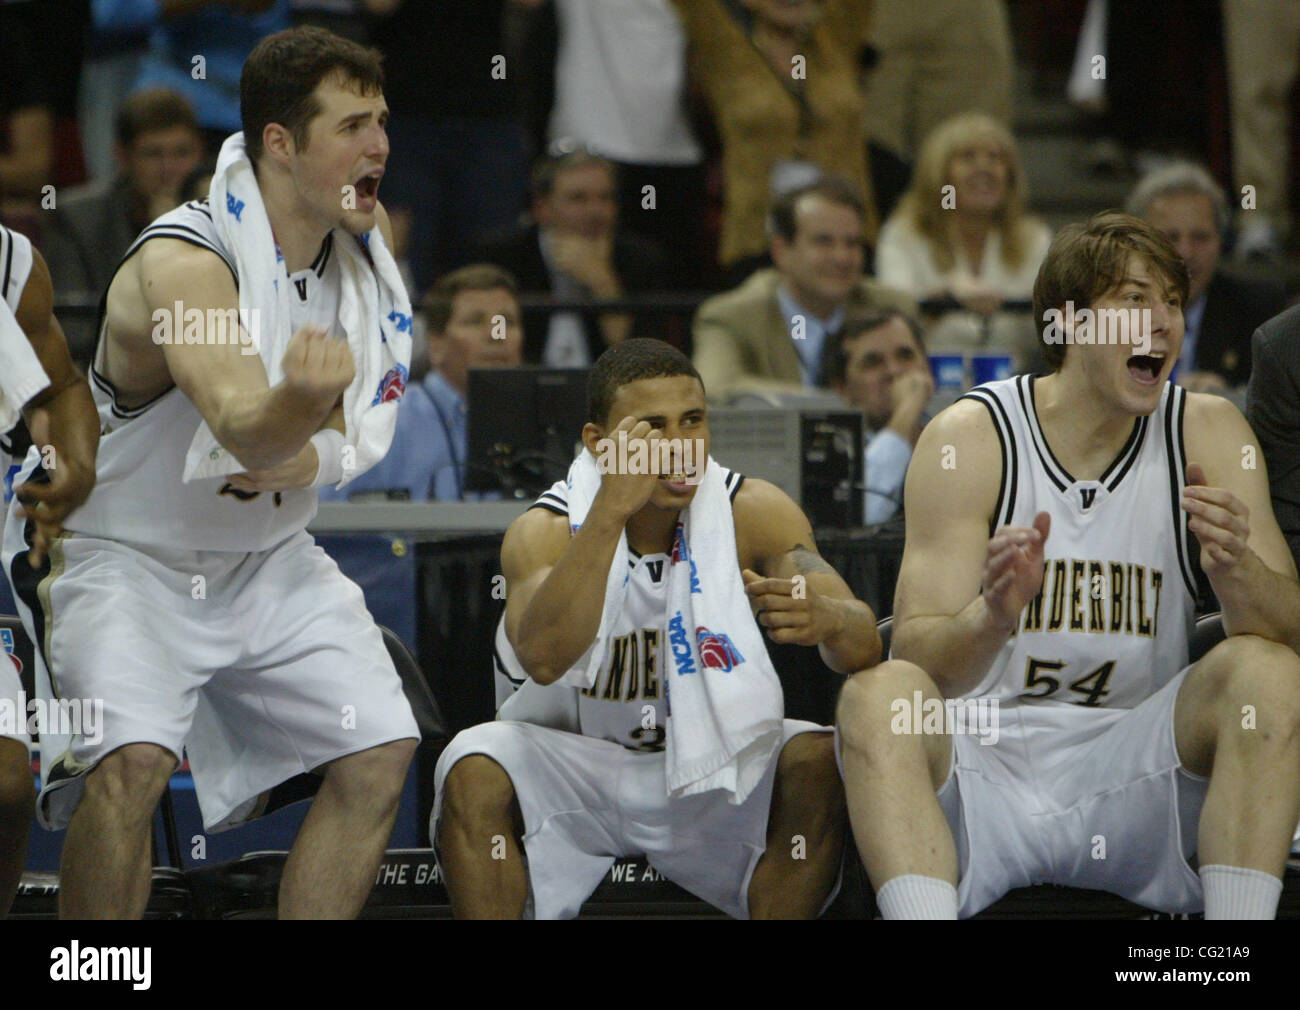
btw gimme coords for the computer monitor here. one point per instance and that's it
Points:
(524, 427)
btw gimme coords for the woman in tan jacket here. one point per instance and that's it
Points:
(781, 82)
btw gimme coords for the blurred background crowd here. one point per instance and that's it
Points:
(802, 194)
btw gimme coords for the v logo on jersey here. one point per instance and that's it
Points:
(1089, 493)
(656, 569)
(301, 285)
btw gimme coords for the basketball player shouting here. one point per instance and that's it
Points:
(202, 613)
(1049, 570)
(573, 801)
(61, 415)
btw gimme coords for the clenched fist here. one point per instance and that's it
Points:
(317, 366)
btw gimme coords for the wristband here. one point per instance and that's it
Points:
(329, 453)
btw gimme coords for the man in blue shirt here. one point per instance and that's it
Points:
(474, 322)
(877, 362)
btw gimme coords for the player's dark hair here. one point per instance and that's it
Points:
(282, 72)
(1085, 261)
(153, 109)
(782, 218)
(857, 323)
(547, 170)
(633, 359)
(437, 304)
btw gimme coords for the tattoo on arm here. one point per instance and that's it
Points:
(809, 561)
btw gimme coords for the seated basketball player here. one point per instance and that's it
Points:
(654, 718)
(1049, 575)
(38, 379)
(187, 594)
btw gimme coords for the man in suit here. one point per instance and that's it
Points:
(158, 145)
(1222, 311)
(573, 252)
(1273, 410)
(769, 334)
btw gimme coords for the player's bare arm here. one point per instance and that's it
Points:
(960, 592)
(797, 595)
(555, 584)
(62, 415)
(261, 425)
(1243, 551)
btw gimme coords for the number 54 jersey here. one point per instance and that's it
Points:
(1112, 622)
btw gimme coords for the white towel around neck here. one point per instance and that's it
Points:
(374, 314)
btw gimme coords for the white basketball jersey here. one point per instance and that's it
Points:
(15, 268)
(626, 703)
(139, 496)
(1112, 622)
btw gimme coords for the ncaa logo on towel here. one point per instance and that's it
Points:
(680, 644)
(7, 637)
(717, 651)
(391, 386)
(233, 206)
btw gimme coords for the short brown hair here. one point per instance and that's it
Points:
(782, 219)
(1087, 260)
(153, 109)
(284, 69)
(835, 361)
(630, 361)
(475, 277)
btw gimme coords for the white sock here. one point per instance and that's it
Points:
(916, 897)
(1233, 892)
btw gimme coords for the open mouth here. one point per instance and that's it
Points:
(1145, 368)
(368, 185)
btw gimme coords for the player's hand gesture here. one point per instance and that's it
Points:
(1220, 521)
(791, 610)
(317, 366)
(1013, 569)
(56, 489)
(628, 474)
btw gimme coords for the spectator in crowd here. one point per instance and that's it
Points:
(961, 234)
(1273, 410)
(1222, 311)
(458, 166)
(780, 78)
(768, 335)
(198, 47)
(932, 61)
(575, 250)
(474, 322)
(158, 145)
(620, 88)
(877, 363)
(1263, 46)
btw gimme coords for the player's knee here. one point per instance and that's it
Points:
(1256, 683)
(132, 778)
(869, 702)
(476, 789)
(374, 776)
(17, 791)
(808, 779)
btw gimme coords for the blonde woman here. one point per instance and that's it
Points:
(961, 233)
